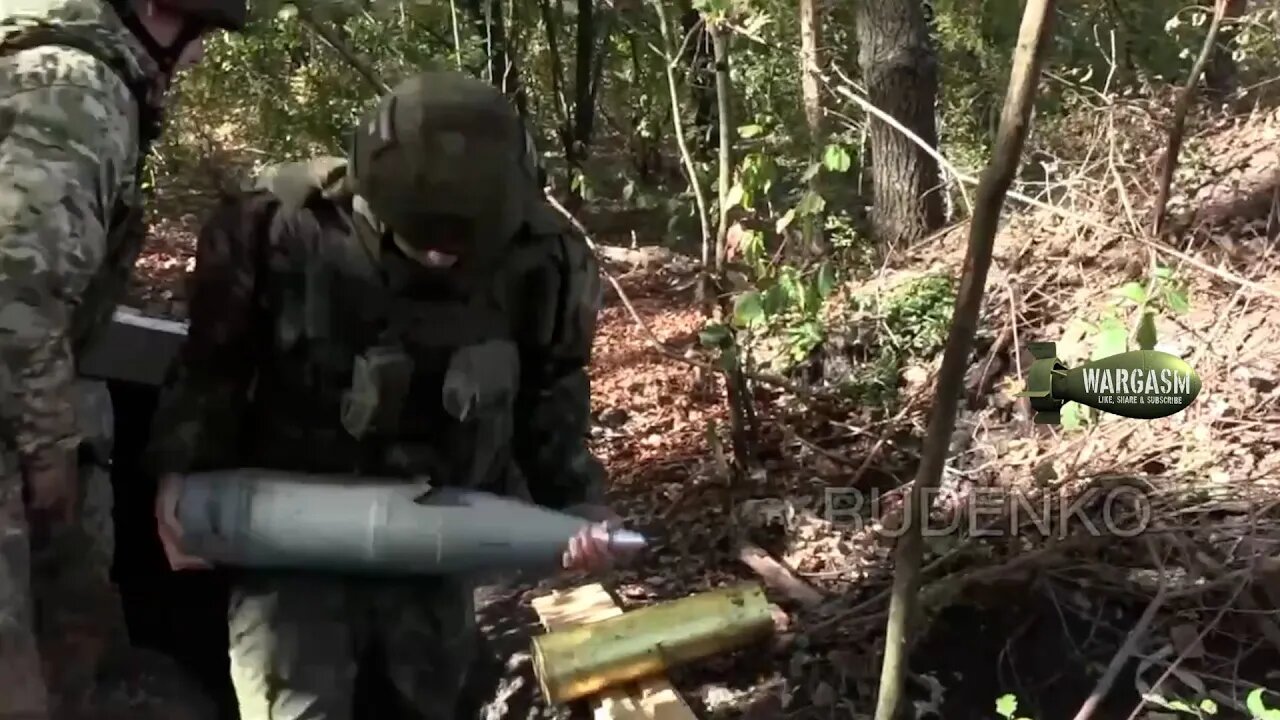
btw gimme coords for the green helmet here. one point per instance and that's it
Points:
(445, 163)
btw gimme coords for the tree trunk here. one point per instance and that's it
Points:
(1180, 109)
(1220, 74)
(592, 51)
(812, 61)
(576, 113)
(486, 19)
(724, 117)
(696, 50)
(901, 73)
(583, 97)
(737, 392)
(645, 154)
(1033, 42)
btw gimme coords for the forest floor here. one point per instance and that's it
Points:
(1019, 609)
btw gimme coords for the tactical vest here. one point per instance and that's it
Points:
(126, 231)
(374, 370)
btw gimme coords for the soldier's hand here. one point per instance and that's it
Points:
(589, 549)
(168, 528)
(50, 477)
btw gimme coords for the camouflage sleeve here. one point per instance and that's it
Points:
(197, 421)
(554, 406)
(68, 143)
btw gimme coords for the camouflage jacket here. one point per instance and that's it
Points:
(313, 347)
(76, 116)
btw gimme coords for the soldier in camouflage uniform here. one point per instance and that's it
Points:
(81, 85)
(415, 310)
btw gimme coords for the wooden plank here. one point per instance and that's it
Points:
(778, 576)
(649, 699)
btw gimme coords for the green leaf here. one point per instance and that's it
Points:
(1257, 708)
(1177, 301)
(1179, 705)
(734, 196)
(826, 280)
(776, 299)
(785, 221)
(752, 243)
(1163, 273)
(747, 309)
(811, 172)
(713, 334)
(750, 131)
(811, 204)
(708, 7)
(1006, 706)
(1208, 707)
(1113, 339)
(1133, 291)
(791, 284)
(1073, 416)
(755, 24)
(836, 159)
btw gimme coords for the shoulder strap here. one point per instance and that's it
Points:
(28, 36)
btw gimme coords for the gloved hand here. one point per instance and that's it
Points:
(589, 549)
(168, 528)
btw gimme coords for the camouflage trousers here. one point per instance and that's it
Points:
(297, 642)
(62, 629)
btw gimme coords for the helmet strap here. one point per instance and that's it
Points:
(165, 57)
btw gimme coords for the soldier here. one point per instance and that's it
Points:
(81, 87)
(413, 310)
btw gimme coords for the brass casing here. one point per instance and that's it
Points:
(571, 664)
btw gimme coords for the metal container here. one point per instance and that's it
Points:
(574, 663)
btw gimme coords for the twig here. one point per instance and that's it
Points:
(457, 35)
(958, 580)
(892, 427)
(654, 340)
(1170, 160)
(815, 447)
(1197, 642)
(1266, 624)
(690, 168)
(778, 576)
(866, 105)
(331, 39)
(1126, 651)
(1033, 41)
(1068, 214)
